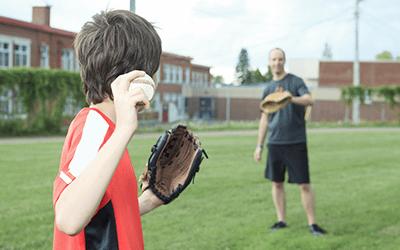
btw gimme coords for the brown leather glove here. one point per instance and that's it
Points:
(275, 101)
(173, 163)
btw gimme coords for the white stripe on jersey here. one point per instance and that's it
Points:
(65, 177)
(93, 134)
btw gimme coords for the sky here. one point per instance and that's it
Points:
(213, 32)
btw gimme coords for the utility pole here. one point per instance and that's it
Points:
(132, 7)
(356, 67)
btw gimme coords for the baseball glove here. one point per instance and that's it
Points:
(174, 161)
(275, 101)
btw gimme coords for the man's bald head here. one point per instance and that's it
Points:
(278, 50)
(277, 59)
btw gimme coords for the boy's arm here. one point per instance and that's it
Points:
(148, 201)
(80, 199)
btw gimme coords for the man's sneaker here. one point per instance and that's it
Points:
(278, 225)
(317, 230)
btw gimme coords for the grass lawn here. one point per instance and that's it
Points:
(355, 175)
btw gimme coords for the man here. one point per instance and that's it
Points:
(287, 144)
(95, 191)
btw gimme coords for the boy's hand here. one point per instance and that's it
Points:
(125, 100)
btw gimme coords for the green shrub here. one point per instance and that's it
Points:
(43, 95)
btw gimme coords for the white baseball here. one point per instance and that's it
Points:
(145, 83)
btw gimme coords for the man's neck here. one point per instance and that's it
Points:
(107, 107)
(280, 76)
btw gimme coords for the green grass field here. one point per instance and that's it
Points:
(355, 175)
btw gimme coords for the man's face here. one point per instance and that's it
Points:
(276, 61)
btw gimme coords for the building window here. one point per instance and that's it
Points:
(44, 56)
(68, 60)
(14, 51)
(187, 78)
(166, 73)
(180, 74)
(157, 76)
(174, 73)
(10, 105)
(4, 54)
(21, 55)
(71, 106)
(5, 103)
(199, 79)
(205, 79)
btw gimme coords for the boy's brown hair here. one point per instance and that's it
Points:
(114, 43)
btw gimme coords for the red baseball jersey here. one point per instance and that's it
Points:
(116, 224)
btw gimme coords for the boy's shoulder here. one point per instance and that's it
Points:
(79, 120)
(88, 121)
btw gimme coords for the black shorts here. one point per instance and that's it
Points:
(292, 157)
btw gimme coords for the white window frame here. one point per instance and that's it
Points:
(173, 74)
(68, 60)
(20, 55)
(180, 74)
(157, 75)
(166, 73)
(6, 51)
(12, 41)
(44, 56)
(187, 75)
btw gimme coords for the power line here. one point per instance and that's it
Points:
(388, 34)
(289, 34)
(381, 21)
(296, 34)
(293, 34)
(341, 12)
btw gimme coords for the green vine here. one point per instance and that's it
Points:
(43, 95)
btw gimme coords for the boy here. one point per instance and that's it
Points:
(95, 191)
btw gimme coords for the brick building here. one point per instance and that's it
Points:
(324, 79)
(37, 44)
(184, 90)
(331, 76)
(175, 75)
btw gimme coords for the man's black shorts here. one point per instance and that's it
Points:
(292, 157)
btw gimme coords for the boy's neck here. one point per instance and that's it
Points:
(107, 108)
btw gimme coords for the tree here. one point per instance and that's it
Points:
(348, 95)
(218, 79)
(327, 53)
(384, 55)
(256, 76)
(242, 68)
(268, 74)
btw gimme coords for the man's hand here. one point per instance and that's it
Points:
(258, 154)
(126, 101)
(279, 89)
